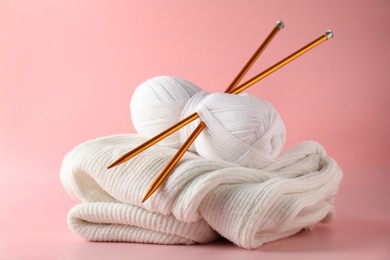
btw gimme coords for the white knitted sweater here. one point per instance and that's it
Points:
(200, 199)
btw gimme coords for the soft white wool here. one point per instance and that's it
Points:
(200, 198)
(240, 128)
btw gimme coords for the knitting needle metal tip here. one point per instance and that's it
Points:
(329, 34)
(280, 24)
(173, 162)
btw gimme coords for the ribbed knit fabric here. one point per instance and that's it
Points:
(200, 199)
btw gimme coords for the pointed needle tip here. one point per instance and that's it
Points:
(112, 165)
(148, 194)
(145, 198)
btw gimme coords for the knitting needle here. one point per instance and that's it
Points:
(172, 163)
(160, 179)
(176, 158)
(127, 156)
(279, 25)
(328, 35)
(194, 116)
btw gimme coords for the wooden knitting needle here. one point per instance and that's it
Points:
(164, 174)
(176, 158)
(127, 156)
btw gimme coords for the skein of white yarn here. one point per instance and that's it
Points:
(240, 128)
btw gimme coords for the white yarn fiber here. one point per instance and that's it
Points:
(200, 199)
(240, 128)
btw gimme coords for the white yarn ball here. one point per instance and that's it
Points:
(240, 128)
(157, 104)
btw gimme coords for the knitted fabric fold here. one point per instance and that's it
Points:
(200, 199)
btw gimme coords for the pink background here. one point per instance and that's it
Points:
(68, 69)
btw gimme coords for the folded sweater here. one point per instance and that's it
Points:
(201, 198)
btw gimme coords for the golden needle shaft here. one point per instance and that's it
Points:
(239, 89)
(176, 158)
(279, 25)
(127, 156)
(172, 163)
(282, 63)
